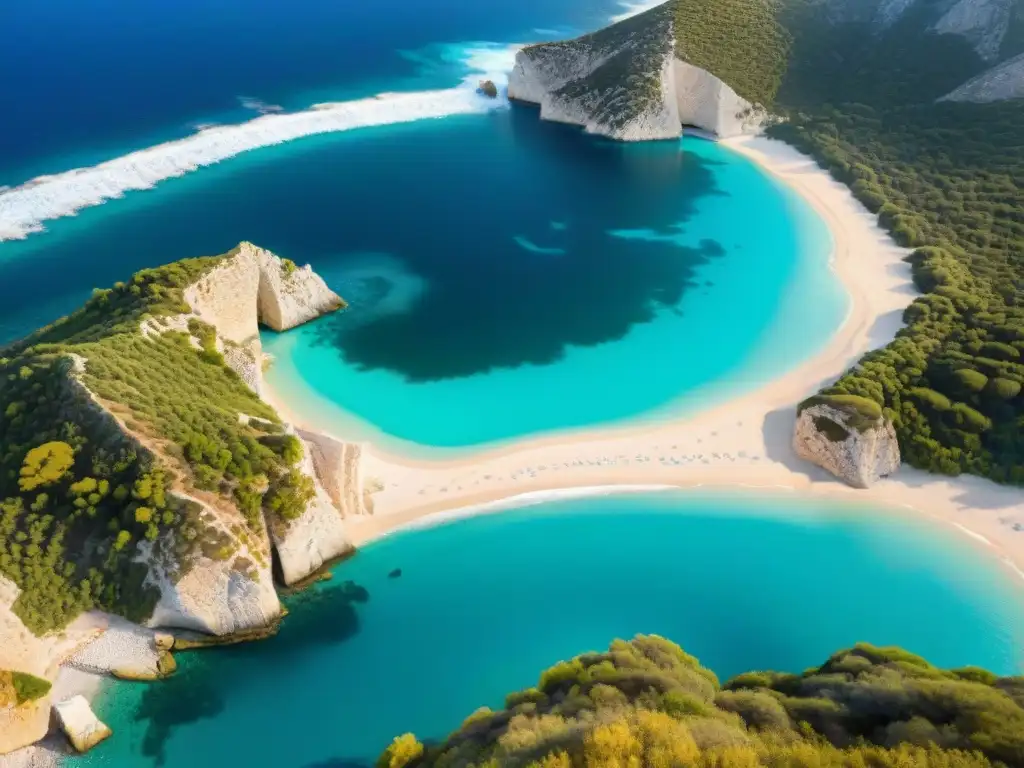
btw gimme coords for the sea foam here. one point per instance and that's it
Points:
(24, 208)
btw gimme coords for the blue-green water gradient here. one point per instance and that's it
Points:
(484, 604)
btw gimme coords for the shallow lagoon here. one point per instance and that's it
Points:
(484, 604)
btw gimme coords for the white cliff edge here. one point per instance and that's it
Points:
(687, 96)
(318, 536)
(857, 451)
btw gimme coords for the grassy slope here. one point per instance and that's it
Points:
(77, 498)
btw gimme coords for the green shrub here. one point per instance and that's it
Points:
(29, 687)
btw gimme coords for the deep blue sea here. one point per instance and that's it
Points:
(484, 604)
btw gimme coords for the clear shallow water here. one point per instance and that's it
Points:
(484, 604)
(507, 276)
(575, 282)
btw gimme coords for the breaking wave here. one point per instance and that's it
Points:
(24, 208)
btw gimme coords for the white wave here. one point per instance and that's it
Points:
(258, 105)
(632, 9)
(24, 208)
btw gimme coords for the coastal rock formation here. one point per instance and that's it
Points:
(207, 558)
(848, 438)
(251, 287)
(338, 467)
(488, 89)
(317, 536)
(1002, 82)
(212, 595)
(23, 725)
(633, 81)
(81, 725)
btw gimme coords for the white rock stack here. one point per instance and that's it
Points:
(80, 723)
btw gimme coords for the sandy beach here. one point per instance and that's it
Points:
(744, 443)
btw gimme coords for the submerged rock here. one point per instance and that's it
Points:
(81, 725)
(395, 573)
(848, 436)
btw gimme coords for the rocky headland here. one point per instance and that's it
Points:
(646, 77)
(195, 523)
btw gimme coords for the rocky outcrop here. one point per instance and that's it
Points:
(215, 596)
(338, 467)
(318, 536)
(1002, 82)
(630, 82)
(855, 445)
(250, 287)
(982, 22)
(81, 725)
(488, 89)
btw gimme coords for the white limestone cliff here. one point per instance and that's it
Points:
(840, 441)
(339, 469)
(1000, 83)
(564, 79)
(252, 286)
(318, 535)
(80, 723)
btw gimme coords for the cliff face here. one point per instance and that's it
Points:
(856, 449)
(1002, 82)
(168, 472)
(253, 287)
(632, 82)
(318, 536)
(983, 23)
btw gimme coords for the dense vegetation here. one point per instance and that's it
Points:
(739, 41)
(648, 703)
(79, 500)
(946, 180)
(18, 688)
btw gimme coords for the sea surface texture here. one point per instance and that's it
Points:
(483, 604)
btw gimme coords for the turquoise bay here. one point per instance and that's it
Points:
(484, 603)
(506, 277)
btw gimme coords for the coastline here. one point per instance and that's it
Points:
(742, 443)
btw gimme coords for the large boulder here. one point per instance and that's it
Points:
(849, 437)
(81, 725)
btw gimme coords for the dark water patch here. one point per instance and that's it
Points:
(341, 762)
(178, 701)
(395, 574)
(492, 302)
(319, 618)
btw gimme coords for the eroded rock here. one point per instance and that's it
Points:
(847, 437)
(80, 723)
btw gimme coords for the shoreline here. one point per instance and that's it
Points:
(740, 443)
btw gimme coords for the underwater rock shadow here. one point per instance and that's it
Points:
(318, 617)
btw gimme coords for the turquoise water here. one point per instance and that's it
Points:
(609, 282)
(484, 604)
(507, 276)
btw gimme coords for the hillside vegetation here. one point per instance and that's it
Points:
(79, 501)
(945, 180)
(739, 41)
(648, 703)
